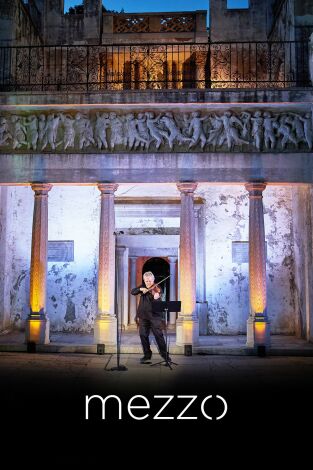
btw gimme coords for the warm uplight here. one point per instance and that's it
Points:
(105, 284)
(260, 332)
(103, 327)
(188, 327)
(105, 330)
(104, 300)
(187, 296)
(257, 297)
(257, 282)
(34, 330)
(37, 294)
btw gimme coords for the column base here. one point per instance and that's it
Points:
(187, 330)
(37, 329)
(173, 316)
(258, 332)
(105, 330)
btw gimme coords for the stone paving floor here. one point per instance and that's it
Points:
(215, 344)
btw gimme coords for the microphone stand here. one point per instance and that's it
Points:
(119, 366)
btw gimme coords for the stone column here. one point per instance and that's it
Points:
(172, 260)
(122, 283)
(133, 300)
(311, 58)
(37, 323)
(105, 323)
(258, 327)
(187, 322)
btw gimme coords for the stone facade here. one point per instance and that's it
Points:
(74, 215)
(210, 173)
(19, 25)
(93, 24)
(277, 20)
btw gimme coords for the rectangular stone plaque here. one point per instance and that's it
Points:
(240, 252)
(61, 250)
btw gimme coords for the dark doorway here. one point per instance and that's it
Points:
(161, 269)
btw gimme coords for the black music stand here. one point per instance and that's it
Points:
(164, 308)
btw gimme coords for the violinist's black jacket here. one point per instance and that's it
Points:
(145, 307)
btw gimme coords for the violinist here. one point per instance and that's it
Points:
(147, 319)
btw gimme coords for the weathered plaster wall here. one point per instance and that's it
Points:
(4, 255)
(72, 286)
(227, 220)
(302, 234)
(18, 250)
(280, 259)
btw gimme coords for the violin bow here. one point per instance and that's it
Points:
(159, 283)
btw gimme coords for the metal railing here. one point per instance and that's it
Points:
(155, 66)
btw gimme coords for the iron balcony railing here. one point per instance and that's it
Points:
(151, 66)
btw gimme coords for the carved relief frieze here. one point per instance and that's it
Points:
(148, 131)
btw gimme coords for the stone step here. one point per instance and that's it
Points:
(175, 350)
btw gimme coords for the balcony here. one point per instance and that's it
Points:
(87, 68)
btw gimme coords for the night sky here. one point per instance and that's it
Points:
(157, 5)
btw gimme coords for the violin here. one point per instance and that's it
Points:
(155, 290)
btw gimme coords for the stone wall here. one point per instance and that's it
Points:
(292, 20)
(227, 221)
(303, 19)
(163, 27)
(72, 286)
(16, 25)
(249, 24)
(18, 223)
(302, 236)
(4, 255)
(283, 27)
(26, 24)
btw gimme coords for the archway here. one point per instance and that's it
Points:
(161, 269)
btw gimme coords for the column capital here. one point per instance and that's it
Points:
(41, 189)
(187, 187)
(133, 258)
(255, 189)
(172, 259)
(107, 188)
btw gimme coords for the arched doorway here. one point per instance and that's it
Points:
(161, 269)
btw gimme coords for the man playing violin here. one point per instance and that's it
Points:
(147, 319)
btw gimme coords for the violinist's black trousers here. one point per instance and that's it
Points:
(145, 326)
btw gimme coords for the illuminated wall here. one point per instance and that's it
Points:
(18, 219)
(74, 215)
(227, 212)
